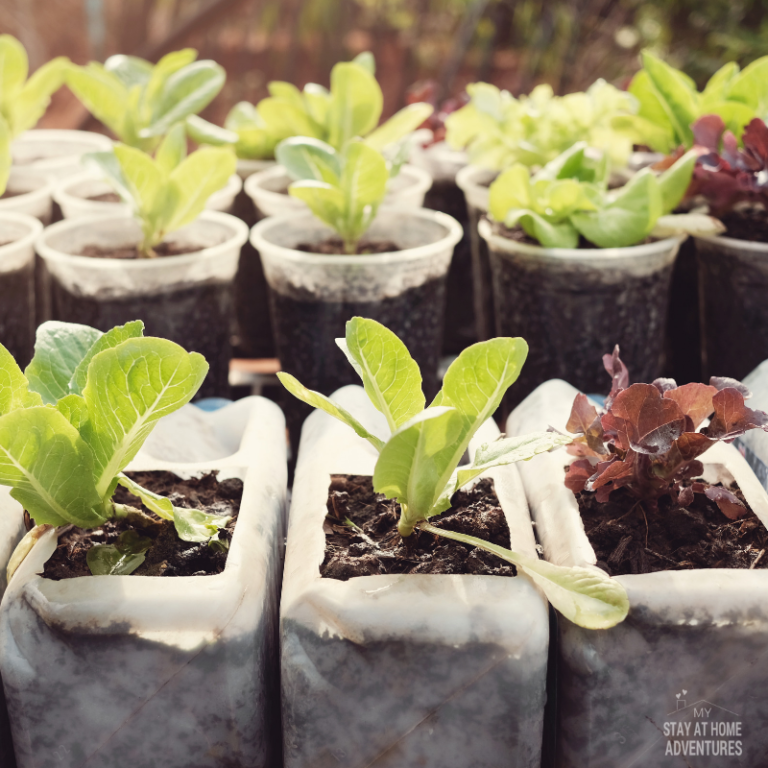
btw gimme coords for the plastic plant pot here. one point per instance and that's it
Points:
(56, 152)
(686, 667)
(169, 671)
(312, 296)
(733, 279)
(17, 284)
(28, 192)
(574, 305)
(436, 671)
(185, 298)
(74, 196)
(474, 182)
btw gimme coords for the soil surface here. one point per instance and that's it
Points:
(17, 312)
(105, 197)
(132, 252)
(168, 555)
(11, 193)
(334, 246)
(518, 235)
(627, 538)
(371, 544)
(747, 224)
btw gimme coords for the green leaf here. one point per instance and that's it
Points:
(30, 103)
(306, 158)
(325, 201)
(390, 375)
(204, 172)
(653, 124)
(14, 66)
(356, 103)
(113, 337)
(144, 180)
(172, 149)
(751, 86)
(364, 185)
(49, 467)
(203, 132)
(735, 115)
(509, 191)
(121, 558)
(675, 180)
(74, 410)
(107, 164)
(317, 100)
(196, 526)
(549, 234)
(366, 61)
(59, 348)
(286, 92)
(284, 119)
(586, 596)
(129, 388)
(316, 400)
(170, 63)
(130, 70)
(719, 84)
(14, 387)
(399, 125)
(102, 93)
(160, 505)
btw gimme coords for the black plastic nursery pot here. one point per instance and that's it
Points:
(574, 305)
(186, 298)
(312, 296)
(733, 285)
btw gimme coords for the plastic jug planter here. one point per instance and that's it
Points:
(431, 670)
(56, 152)
(686, 666)
(73, 195)
(185, 298)
(733, 279)
(28, 192)
(570, 305)
(173, 671)
(17, 284)
(312, 296)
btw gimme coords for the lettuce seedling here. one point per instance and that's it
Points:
(569, 197)
(419, 463)
(77, 416)
(22, 101)
(343, 189)
(669, 102)
(648, 438)
(140, 101)
(352, 108)
(499, 130)
(169, 191)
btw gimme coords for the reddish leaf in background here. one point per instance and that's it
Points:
(707, 132)
(585, 420)
(644, 420)
(695, 400)
(755, 140)
(577, 475)
(724, 382)
(618, 373)
(732, 418)
(729, 504)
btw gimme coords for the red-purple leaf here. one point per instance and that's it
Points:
(685, 497)
(613, 472)
(729, 504)
(707, 132)
(695, 400)
(755, 140)
(687, 447)
(618, 373)
(665, 385)
(732, 418)
(585, 420)
(577, 475)
(725, 382)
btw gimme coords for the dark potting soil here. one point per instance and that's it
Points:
(168, 555)
(17, 312)
(571, 316)
(334, 246)
(628, 538)
(747, 224)
(373, 546)
(132, 252)
(482, 280)
(197, 317)
(105, 197)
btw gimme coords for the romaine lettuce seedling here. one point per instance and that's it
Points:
(22, 101)
(648, 438)
(670, 102)
(343, 189)
(352, 108)
(169, 191)
(72, 422)
(419, 463)
(140, 101)
(569, 197)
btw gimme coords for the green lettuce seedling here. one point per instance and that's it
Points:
(78, 415)
(352, 108)
(22, 101)
(343, 189)
(670, 102)
(140, 101)
(419, 463)
(569, 197)
(169, 191)
(499, 130)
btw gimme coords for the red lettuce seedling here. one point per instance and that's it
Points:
(646, 438)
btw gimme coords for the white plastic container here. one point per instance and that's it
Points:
(573, 305)
(686, 666)
(129, 671)
(56, 152)
(185, 298)
(417, 670)
(439, 160)
(247, 167)
(269, 190)
(73, 193)
(31, 194)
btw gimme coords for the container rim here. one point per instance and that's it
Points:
(734, 242)
(35, 228)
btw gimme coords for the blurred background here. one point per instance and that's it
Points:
(515, 44)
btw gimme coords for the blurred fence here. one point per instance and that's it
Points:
(515, 44)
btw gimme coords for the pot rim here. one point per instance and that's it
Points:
(237, 239)
(734, 242)
(42, 190)
(35, 229)
(453, 234)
